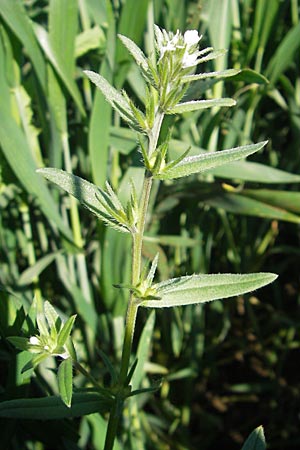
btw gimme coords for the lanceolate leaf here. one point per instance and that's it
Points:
(65, 381)
(209, 160)
(201, 76)
(113, 97)
(256, 440)
(205, 288)
(195, 105)
(87, 193)
(66, 330)
(135, 51)
(48, 408)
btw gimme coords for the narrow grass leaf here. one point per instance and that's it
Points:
(256, 440)
(196, 105)
(36, 269)
(59, 66)
(208, 160)
(65, 381)
(287, 200)
(195, 289)
(284, 55)
(250, 76)
(143, 351)
(49, 408)
(101, 115)
(16, 150)
(241, 204)
(62, 25)
(254, 172)
(14, 14)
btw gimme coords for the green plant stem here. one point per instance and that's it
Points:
(137, 242)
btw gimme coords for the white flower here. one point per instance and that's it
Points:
(34, 340)
(191, 37)
(169, 42)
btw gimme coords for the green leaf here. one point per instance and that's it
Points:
(90, 39)
(66, 331)
(65, 381)
(256, 440)
(208, 160)
(196, 105)
(205, 288)
(250, 76)
(114, 97)
(53, 408)
(51, 315)
(15, 16)
(284, 55)
(59, 65)
(255, 172)
(19, 156)
(36, 269)
(242, 204)
(135, 51)
(19, 342)
(202, 76)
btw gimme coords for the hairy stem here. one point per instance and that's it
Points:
(132, 308)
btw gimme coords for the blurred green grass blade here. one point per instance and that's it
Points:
(62, 25)
(49, 408)
(99, 425)
(14, 14)
(250, 76)
(65, 381)
(256, 440)
(85, 310)
(34, 271)
(59, 65)
(281, 199)
(18, 155)
(101, 114)
(195, 289)
(240, 204)
(254, 172)
(284, 54)
(176, 241)
(132, 25)
(115, 268)
(143, 351)
(90, 39)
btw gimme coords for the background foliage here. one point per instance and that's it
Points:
(225, 368)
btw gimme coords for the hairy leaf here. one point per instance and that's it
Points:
(206, 161)
(194, 289)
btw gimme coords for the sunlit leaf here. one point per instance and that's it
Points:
(208, 160)
(256, 440)
(194, 289)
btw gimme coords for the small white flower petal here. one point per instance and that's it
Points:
(191, 37)
(34, 340)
